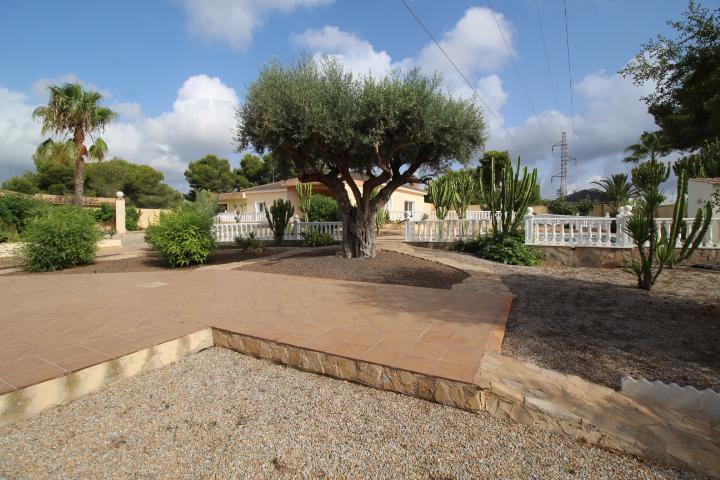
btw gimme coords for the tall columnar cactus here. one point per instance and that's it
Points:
(442, 193)
(278, 217)
(466, 189)
(665, 250)
(304, 192)
(655, 253)
(510, 199)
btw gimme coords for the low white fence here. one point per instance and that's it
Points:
(445, 230)
(228, 232)
(240, 217)
(401, 215)
(600, 231)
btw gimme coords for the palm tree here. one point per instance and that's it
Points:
(652, 146)
(618, 189)
(71, 110)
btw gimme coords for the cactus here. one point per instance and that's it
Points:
(278, 217)
(442, 193)
(304, 192)
(514, 194)
(657, 253)
(466, 188)
(665, 250)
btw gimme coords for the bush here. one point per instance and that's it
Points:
(132, 215)
(323, 209)
(105, 214)
(183, 236)
(248, 243)
(561, 206)
(313, 238)
(16, 211)
(508, 249)
(66, 237)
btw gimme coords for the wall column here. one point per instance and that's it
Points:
(120, 213)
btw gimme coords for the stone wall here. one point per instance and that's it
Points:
(526, 393)
(597, 257)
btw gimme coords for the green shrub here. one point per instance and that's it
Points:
(66, 237)
(104, 214)
(132, 215)
(248, 243)
(560, 206)
(322, 209)
(16, 211)
(313, 238)
(183, 236)
(508, 249)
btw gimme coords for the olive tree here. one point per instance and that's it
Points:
(333, 125)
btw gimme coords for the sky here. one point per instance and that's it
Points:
(176, 69)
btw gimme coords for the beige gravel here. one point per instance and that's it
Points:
(224, 415)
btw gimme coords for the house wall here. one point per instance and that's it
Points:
(698, 194)
(401, 195)
(252, 197)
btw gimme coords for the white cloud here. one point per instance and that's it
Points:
(19, 134)
(612, 119)
(40, 88)
(200, 122)
(354, 53)
(234, 21)
(474, 44)
(127, 109)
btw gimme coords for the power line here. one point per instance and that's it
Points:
(512, 58)
(567, 43)
(437, 44)
(547, 56)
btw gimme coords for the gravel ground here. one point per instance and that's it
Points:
(152, 262)
(386, 267)
(224, 415)
(595, 323)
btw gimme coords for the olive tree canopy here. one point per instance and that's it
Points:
(333, 126)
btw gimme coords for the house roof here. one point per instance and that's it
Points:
(292, 183)
(712, 181)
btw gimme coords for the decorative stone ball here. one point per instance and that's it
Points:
(119, 194)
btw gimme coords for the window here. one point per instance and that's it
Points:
(409, 206)
(260, 207)
(223, 207)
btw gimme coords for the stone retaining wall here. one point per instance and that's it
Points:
(526, 393)
(598, 257)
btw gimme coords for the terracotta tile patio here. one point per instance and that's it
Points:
(52, 325)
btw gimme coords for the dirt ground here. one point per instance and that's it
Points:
(152, 262)
(594, 323)
(386, 267)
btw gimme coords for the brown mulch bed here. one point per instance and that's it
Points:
(151, 262)
(386, 267)
(596, 324)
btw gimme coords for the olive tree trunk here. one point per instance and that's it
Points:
(358, 233)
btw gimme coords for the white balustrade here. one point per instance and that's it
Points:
(469, 215)
(240, 217)
(601, 231)
(401, 215)
(445, 230)
(228, 232)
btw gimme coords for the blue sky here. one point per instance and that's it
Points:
(175, 68)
